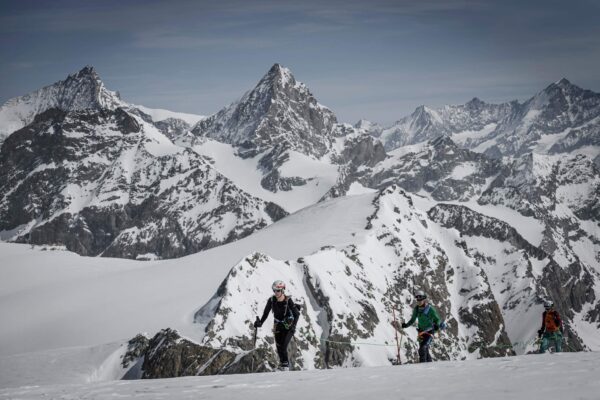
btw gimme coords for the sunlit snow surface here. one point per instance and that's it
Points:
(159, 114)
(246, 174)
(551, 376)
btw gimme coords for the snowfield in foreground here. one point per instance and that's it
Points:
(551, 376)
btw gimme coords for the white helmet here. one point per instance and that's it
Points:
(420, 295)
(278, 285)
(548, 304)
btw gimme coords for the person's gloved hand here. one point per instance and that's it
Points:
(257, 323)
(404, 325)
(540, 333)
(293, 329)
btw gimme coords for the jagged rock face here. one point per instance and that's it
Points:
(271, 163)
(103, 182)
(471, 223)
(359, 153)
(440, 168)
(168, 355)
(561, 191)
(363, 151)
(551, 281)
(80, 91)
(279, 110)
(173, 128)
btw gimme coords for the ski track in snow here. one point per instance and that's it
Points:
(544, 377)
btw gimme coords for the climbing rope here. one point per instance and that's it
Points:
(515, 345)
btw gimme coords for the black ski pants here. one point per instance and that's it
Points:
(425, 341)
(282, 340)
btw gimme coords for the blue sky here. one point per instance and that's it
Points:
(373, 59)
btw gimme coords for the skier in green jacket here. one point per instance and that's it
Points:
(429, 322)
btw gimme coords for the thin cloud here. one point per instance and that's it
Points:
(167, 40)
(20, 65)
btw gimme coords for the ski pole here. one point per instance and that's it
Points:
(254, 339)
(396, 331)
(254, 346)
(401, 338)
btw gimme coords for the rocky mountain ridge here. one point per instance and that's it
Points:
(562, 117)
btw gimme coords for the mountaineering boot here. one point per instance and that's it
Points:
(284, 367)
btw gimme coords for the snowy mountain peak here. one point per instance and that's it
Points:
(82, 90)
(564, 82)
(562, 87)
(278, 111)
(279, 74)
(475, 103)
(424, 116)
(87, 71)
(278, 82)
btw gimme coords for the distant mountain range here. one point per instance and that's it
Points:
(562, 117)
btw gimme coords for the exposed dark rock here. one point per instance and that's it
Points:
(168, 355)
(471, 223)
(275, 182)
(363, 151)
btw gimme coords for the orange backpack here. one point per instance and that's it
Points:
(551, 321)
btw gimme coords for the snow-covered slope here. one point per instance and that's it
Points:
(158, 114)
(557, 376)
(313, 177)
